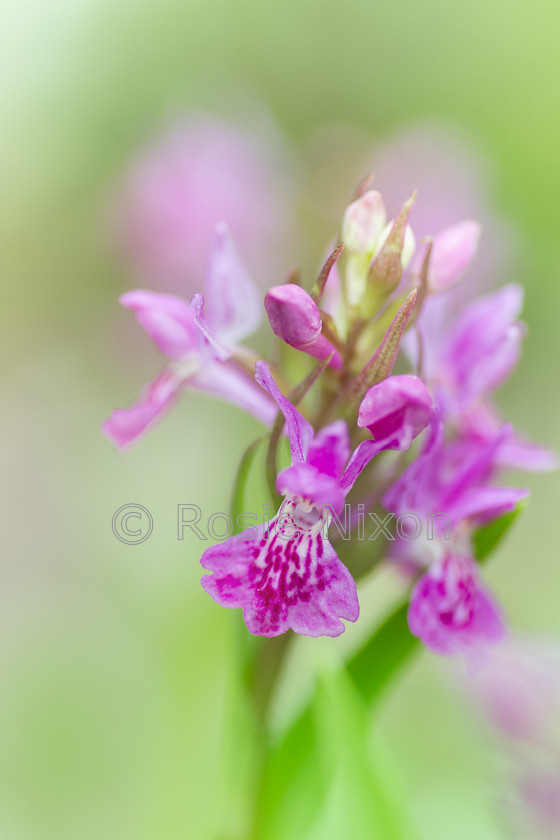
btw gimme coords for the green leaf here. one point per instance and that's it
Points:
(487, 538)
(293, 764)
(238, 496)
(383, 655)
(359, 802)
(320, 774)
(291, 785)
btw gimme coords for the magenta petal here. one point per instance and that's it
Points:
(482, 422)
(523, 454)
(473, 463)
(452, 251)
(453, 478)
(419, 487)
(396, 410)
(483, 345)
(228, 382)
(361, 457)
(304, 482)
(233, 300)
(451, 612)
(483, 504)
(281, 584)
(126, 425)
(167, 319)
(330, 449)
(300, 431)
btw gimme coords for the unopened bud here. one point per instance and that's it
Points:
(295, 318)
(363, 222)
(453, 249)
(385, 271)
(293, 314)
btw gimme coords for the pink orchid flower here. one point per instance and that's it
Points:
(466, 358)
(298, 581)
(451, 612)
(455, 478)
(199, 348)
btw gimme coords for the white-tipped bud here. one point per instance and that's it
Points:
(363, 222)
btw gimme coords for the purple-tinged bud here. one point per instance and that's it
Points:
(453, 249)
(293, 314)
(396, 410)
(295, 318)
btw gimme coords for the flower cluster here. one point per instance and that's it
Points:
(380, 304)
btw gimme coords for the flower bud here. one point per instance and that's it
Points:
(408, 246)
(385, 271)
(453, 249)
(293, 314)
(363, 222)
(295, 318)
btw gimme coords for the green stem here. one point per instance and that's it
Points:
(266, 671)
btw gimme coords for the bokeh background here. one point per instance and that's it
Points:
(116, 698)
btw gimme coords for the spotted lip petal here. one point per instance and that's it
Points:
(294, 581)
(297, 584)
(451, 612)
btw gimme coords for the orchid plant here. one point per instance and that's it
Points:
(392, 414)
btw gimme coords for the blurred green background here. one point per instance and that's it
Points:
(116, 700)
